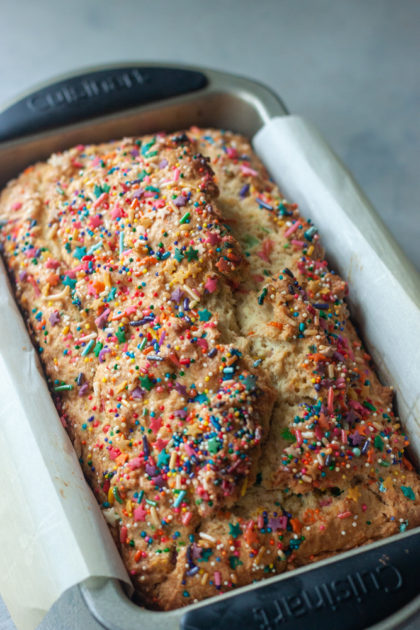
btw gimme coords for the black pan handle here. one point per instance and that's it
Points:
(93, 94)
(349, 594)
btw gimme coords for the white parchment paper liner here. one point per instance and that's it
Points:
(384, 285)
(52, 533)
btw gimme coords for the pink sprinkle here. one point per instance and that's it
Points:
(266, 249)
(17, 205)
(217, 579)
(211, 285)
(213, 238)
(176, 174)
(203, 343)
(95, 221)
(134, 463)
(189, 450)
(296, 243)
(52, 264)
(100, 200)
(322, 527)
(260, 521)
(123, 534)
(299, 439)
(186, 518)
(232, 152)
(344, 515)
(330, 402)
(247, 170)
(139, 513)
(292, 229)
(364, 507)
(116, 212)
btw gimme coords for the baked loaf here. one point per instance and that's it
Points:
(201, 357)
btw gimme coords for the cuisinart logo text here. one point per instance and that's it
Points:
(83, 89)
(329, 595)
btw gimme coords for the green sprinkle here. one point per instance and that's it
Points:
(378, 443)
(120, 334)
(288, 435)
(63, 388)
(235, 530)
(261, 297)
(98, 348)
(146, 382)
(408, 492)
(151, 502)
(116, 494)
(234, 562)
(185, 218)
(142, 344)
(368, 405)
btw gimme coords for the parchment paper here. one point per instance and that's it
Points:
(384, 285)
(52, 534)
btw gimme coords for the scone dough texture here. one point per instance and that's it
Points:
(202, 359)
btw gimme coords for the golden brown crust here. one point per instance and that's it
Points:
(222, 405)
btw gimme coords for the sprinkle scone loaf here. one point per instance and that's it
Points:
(202, 359)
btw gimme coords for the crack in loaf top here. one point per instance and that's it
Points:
(334, 419)
(124, 262)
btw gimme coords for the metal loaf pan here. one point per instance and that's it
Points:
(375, 586)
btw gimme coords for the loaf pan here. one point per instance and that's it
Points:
(371, 587)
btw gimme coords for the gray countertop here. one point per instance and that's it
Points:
(350, 67)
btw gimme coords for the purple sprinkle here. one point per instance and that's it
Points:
(23, 275)
(101, 321)
(151, 469)
(321, 306)
(196, 551)
(158, 480)
(163, 163)
(365, 447)
(263, 204)
(181, 389)
(54, 318)
(180, 201)
(192, 571)
(134, 152)
(144, 320)
(146, 446)
(356, 438)
(137, 393)
(244, 191)
(80, 379)
(351, 417)
(186, 304)
(137, 193)
(177, 295)
(180, 413)
(212, 353)
(83, 390)
(102, 354)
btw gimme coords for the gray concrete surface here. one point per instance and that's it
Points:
(349, 66)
